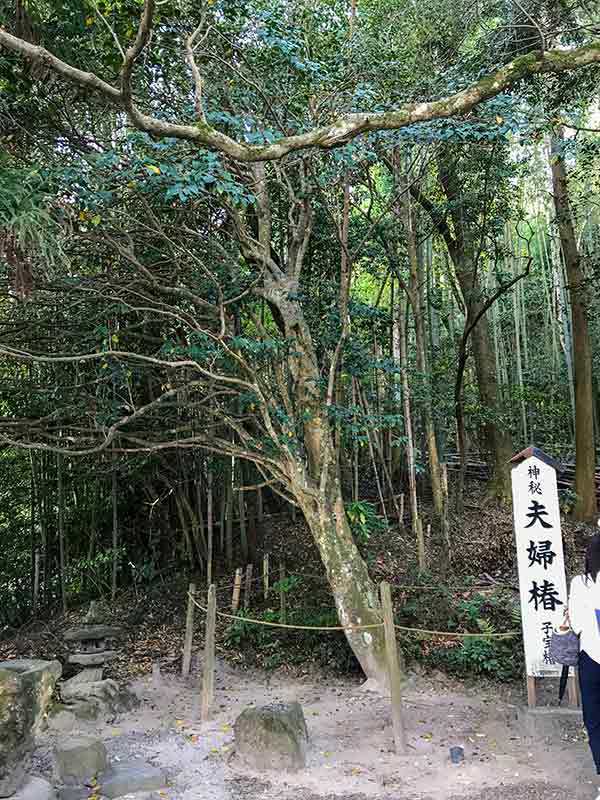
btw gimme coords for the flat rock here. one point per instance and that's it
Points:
(135, 776)
(79, 759)
(92, 659)
(84, 632)
(26, 688)
(272, 737)
(35, 789)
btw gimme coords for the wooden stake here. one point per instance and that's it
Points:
(266, 576)
(237, 588)
(394, 677)
(208, 667)
(248, 586)
(573, 689)
(189, 632)
(282, 598)
(531, 691)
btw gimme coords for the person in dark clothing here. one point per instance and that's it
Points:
(584, 618)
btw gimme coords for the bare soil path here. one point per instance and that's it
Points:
(351, 754)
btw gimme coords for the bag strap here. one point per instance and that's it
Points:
(562, 686)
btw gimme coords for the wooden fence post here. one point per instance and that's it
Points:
(266, 576)
(248, 586)
(189, 632)
(282, 597)
(237, 588)
(573, 688)
(208, 667)
(531, 691)
(391, 648)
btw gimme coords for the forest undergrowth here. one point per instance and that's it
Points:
(478, 595)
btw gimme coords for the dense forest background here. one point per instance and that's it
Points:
(192, 343)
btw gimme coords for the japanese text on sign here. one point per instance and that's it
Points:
(540, 559)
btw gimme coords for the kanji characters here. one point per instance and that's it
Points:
(541, 553)
(544, 596)
(536, 512)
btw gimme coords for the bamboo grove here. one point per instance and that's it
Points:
(286, 257)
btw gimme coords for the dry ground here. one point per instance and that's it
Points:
(350, 756)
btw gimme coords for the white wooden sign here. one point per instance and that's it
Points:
(540, 557)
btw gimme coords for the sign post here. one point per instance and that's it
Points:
(540, 560)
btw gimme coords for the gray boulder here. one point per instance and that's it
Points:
(26, 688)
(272, 737)
(79, 760)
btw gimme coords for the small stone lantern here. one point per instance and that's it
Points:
(92, 641)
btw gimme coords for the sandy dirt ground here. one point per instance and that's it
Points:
(507, 755)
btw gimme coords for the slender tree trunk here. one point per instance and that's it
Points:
(410, 448)
(34, 544)
(230, 473)
(585, 465)
(241, 503)
(115, 533)
(209, 524)
(61, 532)
(416, 299)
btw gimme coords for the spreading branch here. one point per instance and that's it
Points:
(339, 132)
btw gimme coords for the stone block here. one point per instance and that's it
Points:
(26, 688)
(135, 776)
(105, 695)
(79, 760)
(272, 737)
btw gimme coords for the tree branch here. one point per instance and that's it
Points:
(131, 56)
(339, 132)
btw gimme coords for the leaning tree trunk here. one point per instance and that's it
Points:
(317, 489)
(355, 594)
(585, 451)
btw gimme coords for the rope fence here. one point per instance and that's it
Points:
(387, 626)
(352, 628)
(268, 624)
